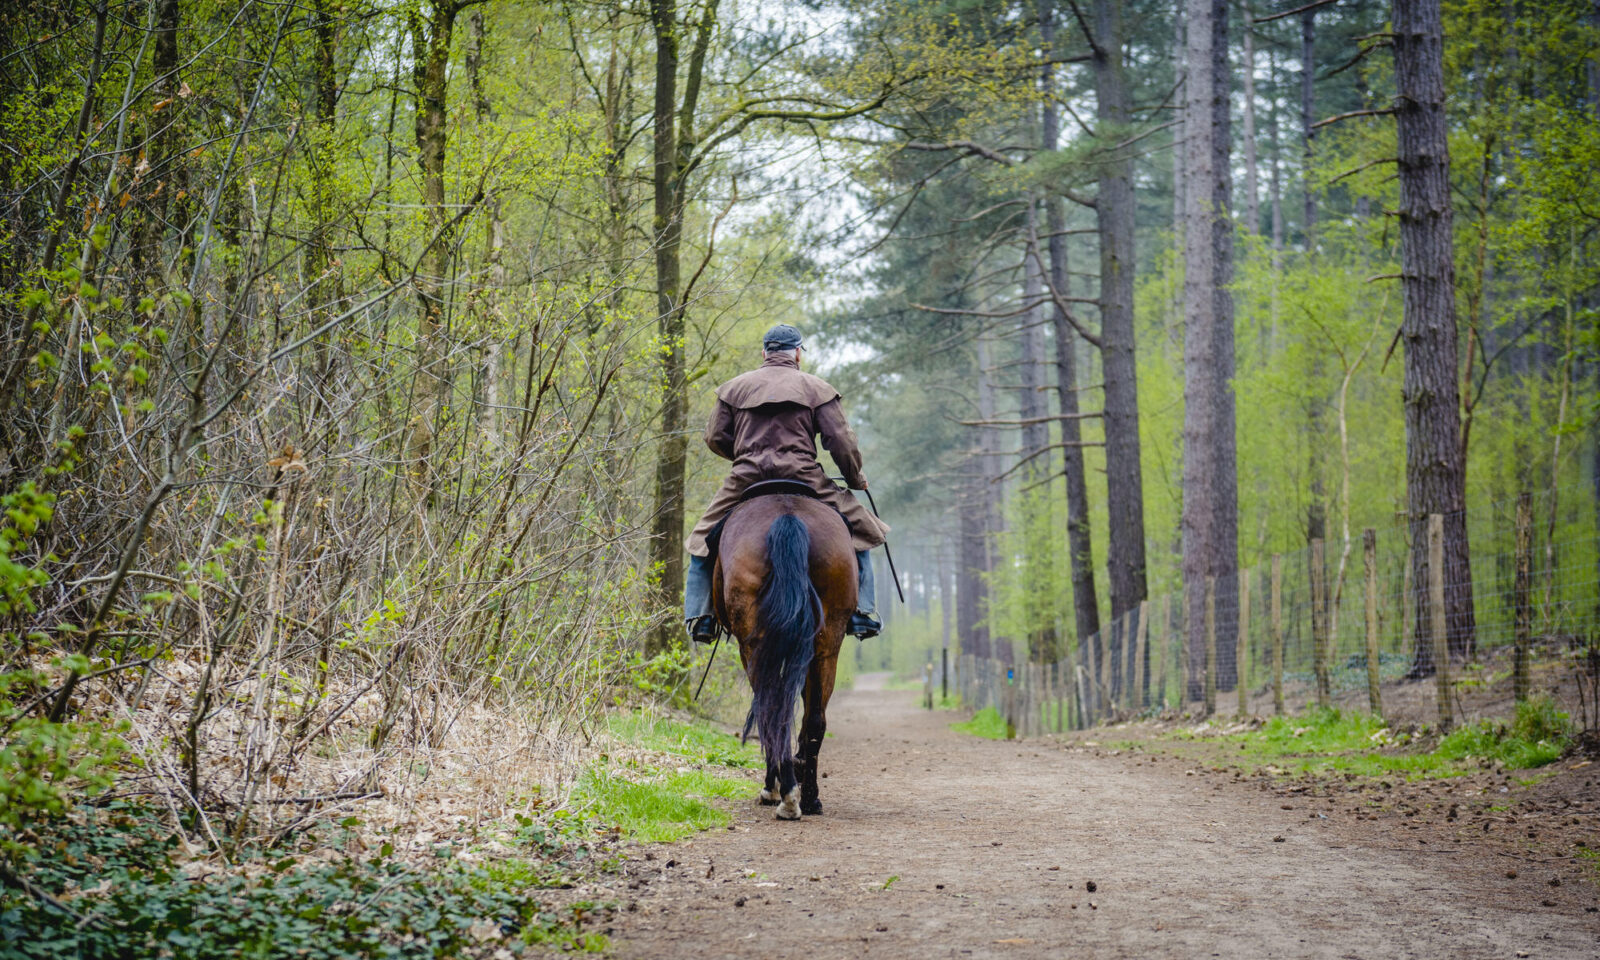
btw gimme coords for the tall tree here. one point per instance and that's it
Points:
(1114, 208)
(674, 151)
(1210, 500)
(1252, 186)
(432, 25)
(1226, 480)
(1085, 604)
(1435, 460)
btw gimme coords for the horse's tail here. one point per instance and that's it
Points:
(788, 617)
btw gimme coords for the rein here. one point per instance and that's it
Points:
(709, 661)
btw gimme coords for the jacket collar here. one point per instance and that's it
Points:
(781, 360)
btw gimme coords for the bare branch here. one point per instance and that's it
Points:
(1290, 13)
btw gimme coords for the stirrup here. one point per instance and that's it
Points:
(864, 625)
(702, 629)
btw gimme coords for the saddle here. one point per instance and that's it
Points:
(761, 488)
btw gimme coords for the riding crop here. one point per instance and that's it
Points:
(887, 555)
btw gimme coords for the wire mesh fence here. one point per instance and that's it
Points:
(1360, 621)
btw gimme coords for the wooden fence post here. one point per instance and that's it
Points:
(1241, 656)
(1211, 645)
(1441, 643)
(1408, 600)
(1276, 626)
(1141, 652)
(1369, 550)
(1166, 641)
(1319, 625)
(1522, 596)
(1102, 693)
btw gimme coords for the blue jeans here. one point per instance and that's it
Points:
(866, 602)
(697, 589)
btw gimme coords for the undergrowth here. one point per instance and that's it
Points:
(693, 741)
(1360, 743)
(111, 882)
(985, 723)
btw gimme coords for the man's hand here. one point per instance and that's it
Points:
(863, 483)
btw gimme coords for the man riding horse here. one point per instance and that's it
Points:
(765, 422)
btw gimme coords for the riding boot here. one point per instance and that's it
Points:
(697, 616)
(864, 622)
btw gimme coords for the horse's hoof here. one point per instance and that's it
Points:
(768, 798)
(812, 809)
(789, 809)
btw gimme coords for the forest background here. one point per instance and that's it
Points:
(354, 353)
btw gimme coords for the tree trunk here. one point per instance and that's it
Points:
(1210, 500)
(674, 152)
(1035, 439)
(972, 590)
(1030, 381)
(666, 553)
(1180, 140)
(168, 175)
(1435, 462)
(1252, 191)
(1085, 602)
(430, 51)
(1316, 409)
(1225, 530)
(989, 491)
(1308, 45)
(1114, 215)
(320, 272)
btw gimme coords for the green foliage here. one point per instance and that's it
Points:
(694, 741)
(44, 766)
(985, 723)
(657, 806)
(1360, 743)
(25, 509)
(115, 869)
(661, 675)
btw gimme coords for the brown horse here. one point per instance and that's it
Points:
(785, 585)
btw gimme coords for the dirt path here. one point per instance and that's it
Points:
(993, 844)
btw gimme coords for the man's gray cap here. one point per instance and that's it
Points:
(781, 337)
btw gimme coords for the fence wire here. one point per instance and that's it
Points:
(1295, 631)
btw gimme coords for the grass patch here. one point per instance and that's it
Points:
(1590, 858)
(658, 806)
(692, 741)
(1360, 743)
(985, 723)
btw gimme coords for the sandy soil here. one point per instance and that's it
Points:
(935, 844)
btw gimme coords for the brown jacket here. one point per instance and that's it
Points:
(765, 422)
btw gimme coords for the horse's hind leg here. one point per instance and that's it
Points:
(819, 688)
(769, 792)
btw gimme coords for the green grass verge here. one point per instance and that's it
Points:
(692, 741)
(658, 806)
(1359, 743)
(985, 723)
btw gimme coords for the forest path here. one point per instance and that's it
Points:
(993, 842)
